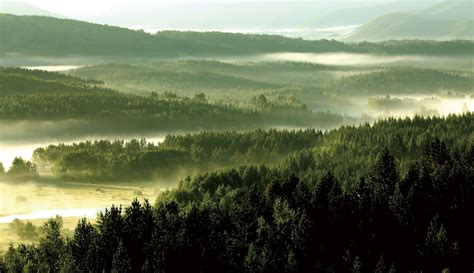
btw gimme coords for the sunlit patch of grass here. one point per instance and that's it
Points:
(9, 236)
(32, 198)
(28, 197)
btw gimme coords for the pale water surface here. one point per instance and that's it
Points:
(46, 214)
(32, 200)
(309, 33)
(52, 68)
(24, 149)
(339, 58)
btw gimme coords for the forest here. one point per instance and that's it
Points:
(403, 80)
(299, 216)
(45, 96)
(137, 148)
(36, 36)
(336, 88)
(18, 81)
(348, 151)
(224, 79)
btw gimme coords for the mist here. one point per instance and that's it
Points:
(229, 127)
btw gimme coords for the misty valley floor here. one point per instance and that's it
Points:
(128, 151)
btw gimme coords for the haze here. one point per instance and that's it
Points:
(236, 136)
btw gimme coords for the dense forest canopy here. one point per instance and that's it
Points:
(348, 151)
(264, 153)
(47, 36)
(289, 218)
(309, 82)
(18, 81)
(404, 80)
(46, 96)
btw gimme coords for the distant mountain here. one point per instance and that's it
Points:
(47, 36)
(455, 10)
(215, 15)
(364, 14)
(22, 8)
(17, 81)
(248, 16)
(40, 36)
(406, 26)
(452, 19)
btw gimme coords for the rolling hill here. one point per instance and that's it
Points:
(364, 14)
(40, 36)
(456, 10)
(23, 8)
(406, 26)
(17, 81)
(452, 19)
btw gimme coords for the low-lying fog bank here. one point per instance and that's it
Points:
(33, 200)
(36, 202)
(333, 58)
(400, 106)
(52, 68)
(356, 59)
(21, 138)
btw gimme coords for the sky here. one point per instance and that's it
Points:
(87, 8)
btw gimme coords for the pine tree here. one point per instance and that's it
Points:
(437, 248)
(121, 261)
(52, 245)
(83, 245)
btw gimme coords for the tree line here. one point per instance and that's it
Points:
(264, 219)
(401, 80)
(19, 81)
(20, 169)
(40, 95)
(347, 151)
(188, 154)
(53, 37)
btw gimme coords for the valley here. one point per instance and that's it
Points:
(192, 137)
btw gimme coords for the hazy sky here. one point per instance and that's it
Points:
(85, 8)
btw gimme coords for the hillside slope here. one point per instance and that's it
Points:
(452, 19)
(25, 36)
(23, 8)
(406, 26)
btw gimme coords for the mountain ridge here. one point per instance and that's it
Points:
(447, 20)
(23, 8)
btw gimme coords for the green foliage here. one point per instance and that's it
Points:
(47, 36)
(348, 152)
(121, 261)
(237, 82)
(52, 245)
(25, 230)
(295, 94)
(178, 153)
(437, 248)
(262, 220)
(402, 80)
(17, 81)
(182, 77)
(49, 255)
(114, 105)
(51, 96)
(23, 169)
(81, 250)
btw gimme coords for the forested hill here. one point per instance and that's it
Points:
(18, 81)
(451, 19)
(347, 151)
(289, 219)
(53, 37)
